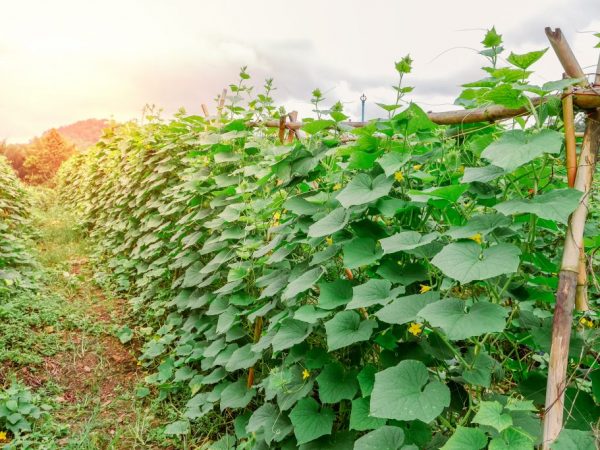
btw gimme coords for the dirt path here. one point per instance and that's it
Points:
(79, 367)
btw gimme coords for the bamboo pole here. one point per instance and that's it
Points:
(570, 145)
(205, 110)
(582, 98)
(567, 283)
(565, 55)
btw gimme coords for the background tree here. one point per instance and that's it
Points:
(45, 155)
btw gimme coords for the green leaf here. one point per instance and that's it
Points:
(274, 425)
(460, 322)
(515, 148)
(366, 379)
(479, 371)
(315, 126)
(242, 358)
(560, 85)
(479, 224)
(332, 222)
(506, 95)
(392, 162)
(406, 240)
(492, 39)
(412, 120)
(310, 422)
(177, 428)
(384, 438)
(481, 174)
(290, 333)
(466, 439)
(237, 395)
(450, 193)
(512, 439)
(360, 251)
(405, 309)
(334, 294)
(336, 384)
(574, 440)
(302, 283)
(373, 292)
(125, 334)
(405, 392)
(490, 414)
(555, 205)
(362, 189)
(467, 261)
(346, 328)
(525, 60)
(310, 314)
(360, 419)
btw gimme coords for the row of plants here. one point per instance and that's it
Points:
(383, 287)
(16, 260)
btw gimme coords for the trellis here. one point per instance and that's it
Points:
(572, 284)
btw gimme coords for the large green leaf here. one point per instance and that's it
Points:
(466, 439)
(555, 205)
(310, 421)
(512, 439)
(468, 261)
(332, 222)
(373, 292)
(267, 419)
(515, 148)
(360, 251)
(384, 438)
(406, 309)
(360, 419)
(334, 294)
(481, 174)
(460, 322)
(406, 240)
(405, 392)
(363, 189)
(236, 395)
(525, 60)
(336, 383)
(490, 414)
(346, 328)
(574, 440)
(302, 283)
(290, 333)
(479, 224)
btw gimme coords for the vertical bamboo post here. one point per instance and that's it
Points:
(293, 118)
(221, 104)
(570, 145)
(205, 110)
(570, 266)
(567, 284)
(581, 301)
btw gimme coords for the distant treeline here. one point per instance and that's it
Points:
(37, 161)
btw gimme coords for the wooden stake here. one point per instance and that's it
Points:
(258, 323)
(570, 265)
(570, 144)
(565, 55)
(293, 117)
(205, 110)
(581, 294)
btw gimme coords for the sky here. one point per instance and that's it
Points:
(68, 60)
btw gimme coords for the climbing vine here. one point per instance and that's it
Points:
(389, 286)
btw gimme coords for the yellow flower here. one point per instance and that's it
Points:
(586, 322)
(305, 374)
(399, 176)
(417, 166)
(415, 329)
(337, 186)
(461, 169)
(276, 216)
(424, 288)
(477, 238)
(3, 436)
(329, 240)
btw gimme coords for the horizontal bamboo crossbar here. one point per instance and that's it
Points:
(583, 98)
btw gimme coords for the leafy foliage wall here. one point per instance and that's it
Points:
(389, 291)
